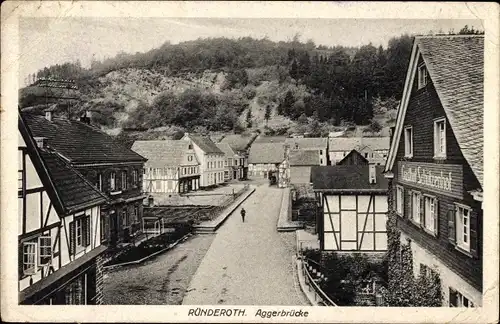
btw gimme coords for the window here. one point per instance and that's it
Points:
(400, 200)
(29, 257)
(320, 152)
(75, 292)
(190, 146)
(20, 180)
(422, 76)
(320, 161)
(409, 141)
(459, 300)
(415, 206)
(366, 155)
(45, 248)
(463, 227)
(134, 177)
(124, 180)
(79, 234)
(112, 181)
(104, 228)
(136, 213)
(98, 183)
(124, 218)
(430, 214)
(440, 138)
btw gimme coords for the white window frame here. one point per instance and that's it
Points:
(124, 180)
(408, 142)
(32, 253)
(79, 227)
(112, 182)
(460, 226)
(99, 182)
(422, 76)
(433, 212)
(416, 206)
(41, 253)
(134, 177)
(400, 198)
(440, 139)
(460, 300)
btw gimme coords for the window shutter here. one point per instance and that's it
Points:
(453, 298)
(436, 217)
(474, 237)
(86, 231)
(20, 260)
(452, 229)
(421, 204)
(72, 238)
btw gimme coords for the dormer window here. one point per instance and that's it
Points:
(112, 181)
(422, 76)
(440, 138)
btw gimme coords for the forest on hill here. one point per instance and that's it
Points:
(219, 83)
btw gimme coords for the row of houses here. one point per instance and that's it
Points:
(429, 194)
(268, 153)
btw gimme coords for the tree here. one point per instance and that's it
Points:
(294, 70)
(375, 126)
(288, 103)
(267, 114)
(249, 118)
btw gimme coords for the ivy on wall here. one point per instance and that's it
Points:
(404, 290)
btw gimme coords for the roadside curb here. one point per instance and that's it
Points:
(283, 224)
(302, 283)
(210, 229)
(169, 247)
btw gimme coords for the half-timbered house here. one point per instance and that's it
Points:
(112, 168)
(352, 208)
(265, 158)
(59, 228)
(172, 166)
(436, 164)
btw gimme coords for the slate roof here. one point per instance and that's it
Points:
(79, 142)
(308, 143)
(239, 142)
(362, 159)
(163, 153)
(456, 68)
(266, 153)
(74, 191)
(304, 157)
(347, 177)
(205, 143)
(351, 143)
(270, 139)
(226, 149)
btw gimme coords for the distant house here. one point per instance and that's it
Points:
(59, 234)
(270, 139)
(265, 158)
(319, 145)
(374, 149)
(240, 143)
(353, 158)
(301, 162)
(172, 166)
(210, 158)
(353, 208)
(234, 163)
(113, 169)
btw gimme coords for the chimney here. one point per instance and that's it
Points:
(372, 174)
(41, 142)
(48, 115)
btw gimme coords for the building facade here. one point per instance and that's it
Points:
(210, 158)
(265, 158)
(112, 168)
(436, 164)
(352, 208)
(60, 251)
(234, 163)
(172, 166)
(316, 144)
(374, 149)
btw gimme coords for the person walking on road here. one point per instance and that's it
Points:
(243, 212)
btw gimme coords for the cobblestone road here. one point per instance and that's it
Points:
(249, 263)
(160, 281)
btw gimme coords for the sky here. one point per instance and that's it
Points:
(47, 41)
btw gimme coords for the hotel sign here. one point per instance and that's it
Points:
(445, 179)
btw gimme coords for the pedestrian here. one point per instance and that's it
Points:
(243, 212)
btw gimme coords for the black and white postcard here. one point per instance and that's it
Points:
(250, 161)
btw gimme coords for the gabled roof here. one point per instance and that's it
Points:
(304, 157)
(226, 149)
(164, 153)
(343, 143)
(456, 67)
(270, 139)
(347, 177)
(308, 143)
(78, 142)
(266, 153)
(351, 143)
(204, 143)
(68, 190)
(361, 158)
(239, 142)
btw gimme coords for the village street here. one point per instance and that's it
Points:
(242, 264)
(249, 263)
